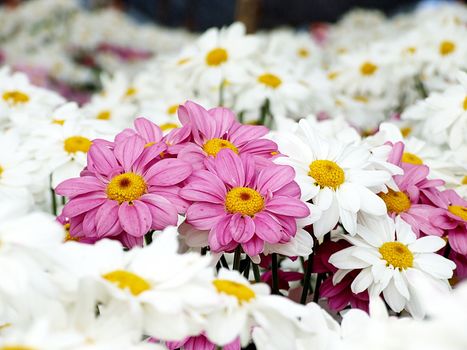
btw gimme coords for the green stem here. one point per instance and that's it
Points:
(148, 237)
(54, 198)
(275, 274)
(306, 280)
(256, 273)
(237, 256)
(246, 271)
(224, 262)
(221, 94)
(319, 279)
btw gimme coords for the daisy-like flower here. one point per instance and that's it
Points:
(200, 342)
(390, 255)
(125, 190)
(336, 177)
(217, 129)
(244, 204)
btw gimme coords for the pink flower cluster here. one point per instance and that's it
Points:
(213, 169)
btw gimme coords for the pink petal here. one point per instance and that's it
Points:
(162, 211)
(148, 130)
(222, 233)
(171, 193)
(223, 121)
(287, 206)
(205, 187)
(107, 222)
(128, 151)
(80, 185)
(101, 159)
(458, 239)
(267, 228)
(168, 172)
(274, 178)
(135, 218)
(149, 155)
(254, 246)
(82, 204)
(89, 223)
(290, 190)
(228, 166)
(204, 216)
(130, 241)
(242, 228)
(240, 133)
(261, 147)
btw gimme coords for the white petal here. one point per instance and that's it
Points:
(394, 299)
(349, 221)
(401, 284)
(345, 259)
(428, 244)
(434, 265)
(371, 203)
(362, 281)
(348, 197)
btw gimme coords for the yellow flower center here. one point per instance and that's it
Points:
(368, 68)
(244, 200)
(397, 255)
(464, 179)
(270, 80)
(214, 146)
(104, 115)
(446, 47)
(406, 131)
(1, 170)
(235, 289)
(15, 97)
(128, 280)
(183, 61)
(58, 121)
(458, 211)
(16, 347)
(168, 126)
(333, 75)
(126, 187)
(131, 91)
(302, 52)
(172, 109)
(396, 202)
(464, 105)
(361, 98)
(216, 57)
(326, 173)
(75, 144)
(411, 50)
(411, 158)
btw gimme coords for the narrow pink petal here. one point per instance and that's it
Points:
(228, 166)
(222, 233)
(288, 206)
(290, 190)
(148, 130)
(193, 154)
(260, 147)
(204, 187)
(240, 134)
(458, 240)
(149, 155)
(223, 120)
(274, 178)
(122, 135)
(135, 218)
(172, 194)
(127, 151)
(242, 228)
(267, 228)
(168, 172)
(162, 211)
(107, 222)
(254, 246)
(82, 204)
(204, 216)
(130, 241)
(80, 185)
(101, 159)
(89, 223)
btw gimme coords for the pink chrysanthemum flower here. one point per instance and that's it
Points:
(242, 203)
(407, 202)
(217, 129)
(452, 217)
(200, 342)
(125, 191)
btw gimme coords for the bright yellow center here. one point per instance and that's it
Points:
(411, 50)
(411, 158)
(464, 105)
(126, 187)
(368, 68)
(458, 211)
(326, 173)
(446, 47)
(128, 280)
(75, 144)
(214, 146)
(244, 200)
(302, 52)
(172, 109)
(464, 180)
(396, 202)
(1, 170)
(333, 75)
(16, 347)
(149, 144)
(406, 131)
(235, 289)
(58, 121)
(397, 255)
(104, 115)
(131, 91)
(15, 97)
(270, 80)
(216, 57)
(361, 98)
(183, 61)
(168, 126)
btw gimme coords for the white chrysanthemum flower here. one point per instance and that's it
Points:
(118, 112)
(336, 177)
(389, 256)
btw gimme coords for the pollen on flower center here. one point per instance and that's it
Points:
(172, 109)
(16, 347)
(458, 211)
(464, 180)
(368, 68)
(131, 91)
(75, 144)
(213, 146)
(397, 255)
(396, 202)
(126, 187)
(1, 170)
(464, 105)
(327, 173)
(168, 126)
(217, 56)
(235, 289)
(244, 200)
(302, 52)
(104, 115)
(15, 97)
(270, 80)
(446, 47)
(128, 280)
(411, 158)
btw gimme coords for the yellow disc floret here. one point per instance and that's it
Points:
(1, 170)
(16, 347)
(464, 180)
(458, 211)
(396, 202)
(302, 52)
(270, 80)
(15, 97)
(327, 173)
(411, 158)
(238, 290)
(172, 109)
(104, 115)
(127, 280)
(446, 47)
(397, 255)
(168, 126)
(214, 146)
(126, 187)
(244, 200)
(75, 144)
(216, 57)
(464, 105)
(368, 68)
